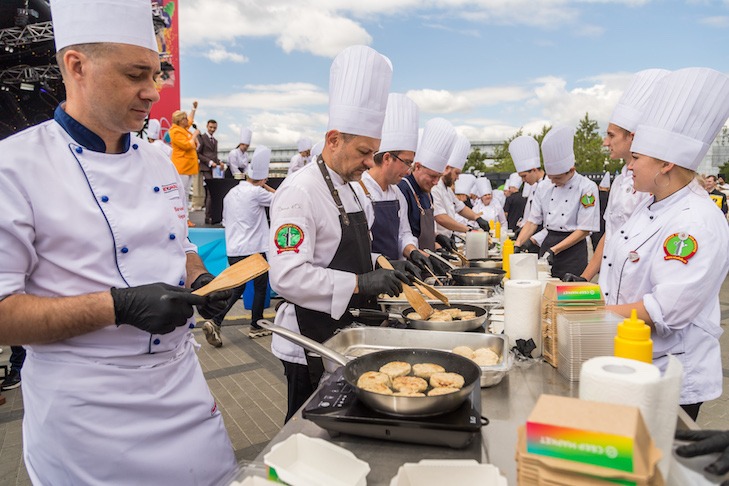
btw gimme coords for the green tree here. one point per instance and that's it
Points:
(475, 162)
(590, 156)
(504, 162)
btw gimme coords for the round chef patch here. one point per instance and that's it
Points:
(680, 246)
(587, 200)
(289, 237)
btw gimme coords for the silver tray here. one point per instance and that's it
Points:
(358, 341)
(483, 297)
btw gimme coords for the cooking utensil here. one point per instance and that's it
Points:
(425, 291)
(475, 276)
(486, 263)
(459, 325)
(415, 299)
(388, 404)
(236, 275)
(430, 291)
(440, 258)
(461, 257)
(437, 279)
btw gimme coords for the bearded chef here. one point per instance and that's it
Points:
(238, 157)
(112, 389)
(320, 248)
(303, 156)
(384, 204)
(567, 205)
(623, 198)
(669, 260)
(524, 151)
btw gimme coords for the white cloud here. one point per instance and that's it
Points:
(444, 101)
(286, 96)
(720, 21)
(217, 53)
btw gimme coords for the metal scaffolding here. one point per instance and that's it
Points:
(14, 37)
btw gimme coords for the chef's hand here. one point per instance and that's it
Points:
(381, 281)
(549, 256)
(421, 261)
(445, 242)
(571, 277)
(483, 224)
(445, 255)
(706, 442)
(216, 302)
(406, 268)
(157, 308)
(439, 268)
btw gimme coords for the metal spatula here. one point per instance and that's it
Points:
(414, 298)
(237, 274)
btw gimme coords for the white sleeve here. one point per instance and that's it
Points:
(440, 200)
(233, 161)
(535, 214)
(588, 218)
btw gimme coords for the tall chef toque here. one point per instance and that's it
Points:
(258, 168)
(483, 186)
(687, 110)
(436, 144)
(605, 182)
(465, 184)
(557, 149)
(303, 144)
(459, 152)
(629, 110)
(514, 181)
(359, 82)
(245, 136)
(400, 129)
(524, 152)
(93, 21)
(153, 129)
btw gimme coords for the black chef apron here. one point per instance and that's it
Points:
(572, 260)
(353, 255)
(386, 228)
(426, 239)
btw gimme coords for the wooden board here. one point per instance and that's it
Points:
(236, 275)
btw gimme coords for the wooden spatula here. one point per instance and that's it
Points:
(415, 299)
(237, 274)
(430, 290)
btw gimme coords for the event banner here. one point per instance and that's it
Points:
(165, 17)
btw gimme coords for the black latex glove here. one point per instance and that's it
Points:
(706, 442)
(157, 308)
(445, 255)
(216, 302)
(445, 242)
(524, 348)
(483, 224)
(406, 268)
(549, 256)
(519, 249)
(439, 268)
(571, 277)
(381, 281)
(421, 261)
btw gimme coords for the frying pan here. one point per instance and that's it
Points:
(485, 263)
(388, 404)
(458, 326)
(465, 276)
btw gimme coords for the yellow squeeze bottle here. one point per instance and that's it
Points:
(633, 340)
(498, 230)
(506, 249)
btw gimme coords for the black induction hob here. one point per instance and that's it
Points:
(335, 408)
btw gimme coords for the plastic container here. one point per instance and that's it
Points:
(633, 340)
(581, 336)
(435, 472)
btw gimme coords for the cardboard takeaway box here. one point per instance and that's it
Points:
(565, 297)
(580, 442)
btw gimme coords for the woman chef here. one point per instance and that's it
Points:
(320, 249)
(669, 259)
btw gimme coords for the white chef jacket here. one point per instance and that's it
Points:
(499, 197)
(166, 149)
(297, 163)
(445, 202)
(681, 298)
(238, 161)
(492, 212)
(244, 218)
(560, 209)
(77, 221)
(301, 276)
(405, 235)
(622, 201)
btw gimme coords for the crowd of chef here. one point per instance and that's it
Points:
(96, 269)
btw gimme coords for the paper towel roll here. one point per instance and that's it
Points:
(628, 382)
(522, 319)
(523, 266)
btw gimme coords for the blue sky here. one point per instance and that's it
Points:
(488, 66)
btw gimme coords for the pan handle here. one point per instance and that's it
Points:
(374, 314)
(443, 260)
(304, 342)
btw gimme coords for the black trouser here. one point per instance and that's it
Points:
(299, 386)
(692, 410)
(260, 287)
(572, 260)
(208, 198)
(17, 357)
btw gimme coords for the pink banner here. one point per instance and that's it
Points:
(166, 14)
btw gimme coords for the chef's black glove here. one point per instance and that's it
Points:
(483, 224)
(706, 442)
(406, 268)
(216, 302)
(421, 261)
(381, 281)
(524, 348)
(549, 256)
(519, 249)
(445, 255)
(530, 247)
(571, 277)
(445, 242)
(439, 268)
(157, 308)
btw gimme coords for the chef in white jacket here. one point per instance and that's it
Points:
(302, 157)
(95, 273)
(485, 204)
(524, 151)
(669, 260)
(153, 129)
(238, 157)
(320, 248)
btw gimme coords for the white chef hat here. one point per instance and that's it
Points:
(459, 152)
(629, 110)
(258, 168)
(483, 186)
(303, 144)
(400, 129)
(436, 145)
(359, 82)
(245, 136)
(93, 21)
(465, 184)
(557, 149)
(514, 180)
(524, 152)
(153, 128)
(605, 182)
(686, 111)
(317, 148)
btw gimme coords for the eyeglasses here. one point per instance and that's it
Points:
(408, 163)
